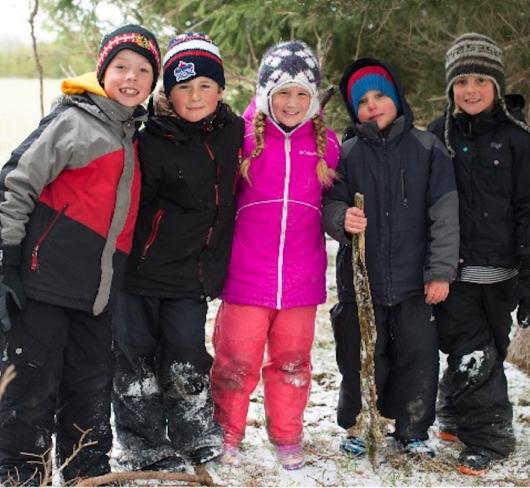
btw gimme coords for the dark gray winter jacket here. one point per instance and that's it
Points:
(411, 205)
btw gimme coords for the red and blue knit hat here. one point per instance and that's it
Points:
(190, 55)
(133, 37)
(371, 78)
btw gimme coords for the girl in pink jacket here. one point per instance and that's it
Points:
(276, 275)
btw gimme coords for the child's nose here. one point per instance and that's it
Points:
(131, 74)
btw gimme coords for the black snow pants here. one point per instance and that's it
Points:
(406, 364)
(474, 326)
(63, 364)
(161, 396)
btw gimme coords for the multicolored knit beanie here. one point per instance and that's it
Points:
(189, 56)
(133, 37)
(371, 78)
(478, 55)
(288, 63)
(473, 54)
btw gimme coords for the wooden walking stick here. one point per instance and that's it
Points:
(370, 420)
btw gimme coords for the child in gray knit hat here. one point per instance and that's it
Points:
(485, 132)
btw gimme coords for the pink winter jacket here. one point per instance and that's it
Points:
(278, 255)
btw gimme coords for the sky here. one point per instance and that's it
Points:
(14, 24)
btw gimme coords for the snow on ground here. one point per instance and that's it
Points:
(326, 466)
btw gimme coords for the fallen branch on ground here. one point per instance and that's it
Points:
(201, 477)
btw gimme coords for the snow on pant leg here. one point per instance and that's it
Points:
(479, 392)
(239, 340)
(35, 347)
(185, 377)
(84, 395)
(410, 392)
(287, 372)
(346, 330)
(139, 418)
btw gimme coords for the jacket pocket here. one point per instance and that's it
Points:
(37, 247)
(155, 228)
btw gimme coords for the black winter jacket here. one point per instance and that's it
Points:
(492, 166)
(184, 230)
(411, 205)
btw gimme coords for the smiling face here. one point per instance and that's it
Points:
(376, 107)
(196, 99)
(290, 105)
(128, 78)
(474, 94)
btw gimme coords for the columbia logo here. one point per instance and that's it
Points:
(305, 152)
(496, 145)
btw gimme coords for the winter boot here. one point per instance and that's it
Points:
(291, 456)
(170, 464)
(353, 446)
(204, 454)
(231, 456)
(474, 461)
(446, 435)
(414, 447)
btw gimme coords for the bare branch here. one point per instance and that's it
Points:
(6, 378)
(31, 21)
(201, 477)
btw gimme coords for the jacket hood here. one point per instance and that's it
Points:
(81, 84)
(361, 63)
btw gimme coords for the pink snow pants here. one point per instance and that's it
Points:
(240, 336)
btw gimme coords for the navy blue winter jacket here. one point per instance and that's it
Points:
(411, 205)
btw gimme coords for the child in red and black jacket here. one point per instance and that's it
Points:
(189, 153)
(69, 197)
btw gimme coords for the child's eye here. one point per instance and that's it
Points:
(460, 81)
(144, 70)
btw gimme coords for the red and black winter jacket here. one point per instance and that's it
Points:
(69, 197)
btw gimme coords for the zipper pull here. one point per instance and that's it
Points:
(35, 258)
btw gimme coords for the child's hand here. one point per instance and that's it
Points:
(436, 291)
(354, 221)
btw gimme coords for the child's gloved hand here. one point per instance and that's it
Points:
(11, 289)
(523, 313)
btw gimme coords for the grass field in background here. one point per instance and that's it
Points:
(20, 112)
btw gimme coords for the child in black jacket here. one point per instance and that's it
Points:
(411, 224)
(490, 145)
(189, 152)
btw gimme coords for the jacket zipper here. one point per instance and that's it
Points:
(283, 228)
(153, 234)
(42, 238)
(404, 187)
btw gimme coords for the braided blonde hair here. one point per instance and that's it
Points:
(325, 174)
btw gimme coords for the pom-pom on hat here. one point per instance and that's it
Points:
(371, 78)
(133, 37)
(190, 55)
(288, 63)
